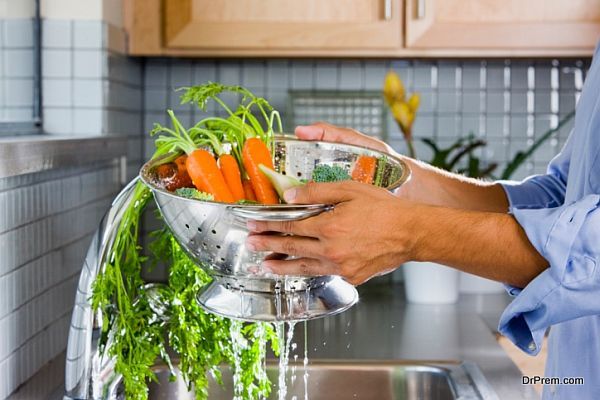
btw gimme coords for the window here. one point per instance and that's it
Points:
(20, 67)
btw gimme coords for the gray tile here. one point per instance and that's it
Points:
(494, 126)
(351, 75)
(18, 33)
(471, 101)
(88, 93)
(19, 92)
(423, 76)
(278, 72)
(447, 72)
(155, 99)
(253, 74)
(156, 73)
(88, 34)
(375, 74)
(448, 101)
(567, 78)
(56, 63)
(496, 150)
(471, 76)
(518, 126)
(446, 127)
(18, 63)
(57, 92)
(518, 77)
(230, 73)
(566, 101)
(542, 123)
(542, 99)
(470, 125)
(302, 75)
(518, 102)
(58, 120)
(428, 101)
(89, 64)
(181, 75)
(424, 126)
(495, 75)
(204, 72)
(87, 121)
(495, 102)
(56, 33)
(543, 79)
(326, 75)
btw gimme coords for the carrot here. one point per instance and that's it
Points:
(248, 191)
(206, 175)
(364, 169)
(231, 173)
(255, 152)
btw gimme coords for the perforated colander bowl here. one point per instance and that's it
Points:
(214, 235)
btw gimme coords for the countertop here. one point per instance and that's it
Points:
(383, 326)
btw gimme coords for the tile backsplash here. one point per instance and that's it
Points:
(507, 102)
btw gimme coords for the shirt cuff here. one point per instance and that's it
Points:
(539, 191)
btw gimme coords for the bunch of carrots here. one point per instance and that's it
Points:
(199, 157)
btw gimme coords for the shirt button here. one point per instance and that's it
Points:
(531, 346)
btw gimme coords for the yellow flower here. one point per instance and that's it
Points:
(404, 116)
(393, 88)
(414, 102)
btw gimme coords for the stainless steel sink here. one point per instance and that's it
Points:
(364, 380)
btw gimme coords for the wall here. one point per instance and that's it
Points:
(507, 102)
(90, 88)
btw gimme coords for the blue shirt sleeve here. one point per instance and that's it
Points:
(568, 238)
(542, 191)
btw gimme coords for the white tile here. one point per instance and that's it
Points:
(89, 64)
(19, 92)
(87, 121)
(88, 34)
(88, 93)
(58, 120)
(18, 63)
(57, 93)
(56, 33)
(56, 63)
(18, 33)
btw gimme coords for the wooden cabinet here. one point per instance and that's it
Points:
(504, 27)
(264, 27)
(362, 28)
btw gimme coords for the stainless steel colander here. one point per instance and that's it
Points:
(214, 235)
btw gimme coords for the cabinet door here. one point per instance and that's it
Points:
(552, 27)
(282, 24)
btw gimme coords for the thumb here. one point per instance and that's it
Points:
(323, 193)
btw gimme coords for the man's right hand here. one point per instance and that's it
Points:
(331, 133)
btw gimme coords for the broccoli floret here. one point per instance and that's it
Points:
(191, 193)
(329, 173)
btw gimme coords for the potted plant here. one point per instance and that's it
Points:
(428, 282)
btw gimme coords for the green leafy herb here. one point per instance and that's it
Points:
(192, 193)
(329, 173)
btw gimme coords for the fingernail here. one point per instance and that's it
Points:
(251, 225)
(290, 195)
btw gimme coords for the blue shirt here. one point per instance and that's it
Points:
(560, 213)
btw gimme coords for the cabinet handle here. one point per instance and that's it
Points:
(421, 9)
(387, 10)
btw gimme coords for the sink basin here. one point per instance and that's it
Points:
(364, 380)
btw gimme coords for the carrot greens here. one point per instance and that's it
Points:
(139, 333)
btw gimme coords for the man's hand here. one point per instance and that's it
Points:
(331, 133)
(368, 233)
